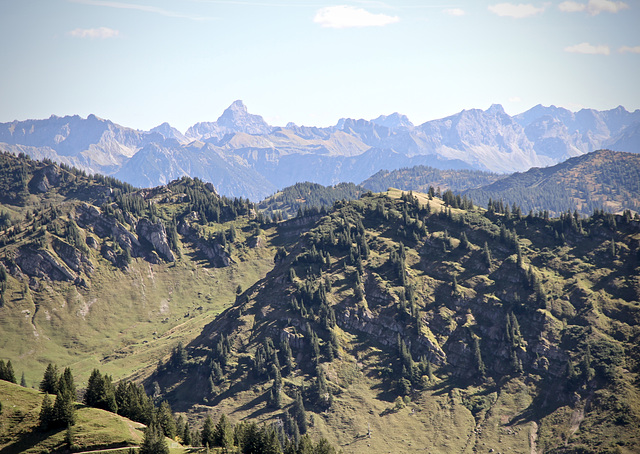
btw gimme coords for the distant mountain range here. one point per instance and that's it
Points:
(242, 155)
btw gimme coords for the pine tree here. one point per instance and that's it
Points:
(154, 441)
(165, 420)
(49, 383)
(66, 383)
(207, 432)
(186, 435)
(23, 381)
(6, 371)
(64, 409)
(46, 413)
(477, 356)
(299, 414)
(223, 433)
(486, 255)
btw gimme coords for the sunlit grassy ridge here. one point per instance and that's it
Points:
(505, 308)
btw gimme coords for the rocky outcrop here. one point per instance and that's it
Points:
(75, 259)
(45, 178)
(89, 216)
(42, 264)
(213, 251)
(156, 235)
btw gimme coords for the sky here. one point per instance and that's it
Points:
(140, 63)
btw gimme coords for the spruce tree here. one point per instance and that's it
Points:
(46, 413)
(49, 383)
(207, 432)
(223, 433)
(165, 420)
(64, 409)
(154, 441)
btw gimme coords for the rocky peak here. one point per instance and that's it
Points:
(393, 121)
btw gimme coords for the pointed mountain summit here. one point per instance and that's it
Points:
(393, 121)
(234, 119)
(169, 132)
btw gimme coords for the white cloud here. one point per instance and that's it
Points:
(93, 33)
(593, 7)
(454, 12)
(627, 49)
(344, 16)
(586, 48)
(516, 11)
(515, 99)
(572, 7)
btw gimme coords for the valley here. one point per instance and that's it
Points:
(387, 321)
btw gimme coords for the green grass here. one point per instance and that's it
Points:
(94, 429)
(126, 320)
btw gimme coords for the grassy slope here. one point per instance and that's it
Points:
(511, 412)
(95, 429)
(120, 328)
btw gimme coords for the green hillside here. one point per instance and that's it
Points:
(420, 178)
(603, 179)
(94, 429)
(290, 201)
(403, 325)
(393, 322)
(95, 273)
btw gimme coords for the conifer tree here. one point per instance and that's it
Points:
(486, 254)
(186, 435)
(223, 433)
(165, 420)
(206, 436)
(64, 409)
(154, 441)
(49, 383)
(46, 413)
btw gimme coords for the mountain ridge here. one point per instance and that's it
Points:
(266, 156)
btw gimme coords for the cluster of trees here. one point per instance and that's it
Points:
(250, 438)
(407, 373)
(6, 369)
(302, 197)
(558, 191)
(61, 413)
(202, 198)
(421, 178)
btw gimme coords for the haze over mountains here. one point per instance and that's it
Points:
(244, 156)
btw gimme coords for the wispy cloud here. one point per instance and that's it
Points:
(516, 11)
(454, 12)
(631, 50)
(344, 16)
(94, 33)
(593, 7)
(515, 99)
(586, 48)
(144, 8)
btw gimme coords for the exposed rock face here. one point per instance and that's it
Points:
(40, 263)
(104, 226)
(75, 259)
(156, 235)
(214, 252)
(45, 178)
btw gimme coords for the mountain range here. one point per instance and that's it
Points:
(244, 156)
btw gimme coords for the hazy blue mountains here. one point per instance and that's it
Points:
(242, 155)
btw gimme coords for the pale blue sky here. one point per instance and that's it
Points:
(142, 62)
